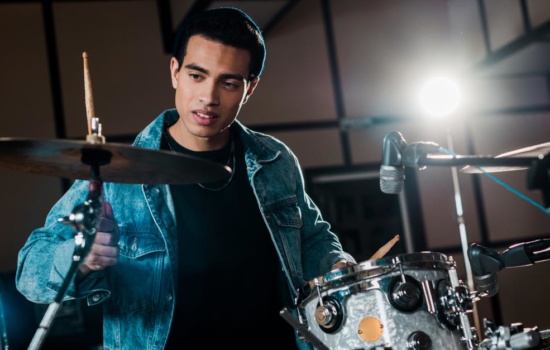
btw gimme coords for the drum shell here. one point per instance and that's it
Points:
(362, 292)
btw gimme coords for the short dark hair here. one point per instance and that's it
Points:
(226, 25)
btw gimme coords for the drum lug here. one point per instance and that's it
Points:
(405, 295)
(329, 315)
(419, 341)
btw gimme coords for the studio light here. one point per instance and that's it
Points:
(439, 96)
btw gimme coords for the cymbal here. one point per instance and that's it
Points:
(117, 162)
(526, 152)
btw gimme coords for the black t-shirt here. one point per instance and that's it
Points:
(229, 291)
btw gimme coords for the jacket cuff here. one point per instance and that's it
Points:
(93, 286)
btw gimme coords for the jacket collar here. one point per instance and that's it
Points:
(254, 142)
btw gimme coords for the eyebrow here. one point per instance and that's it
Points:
(193, 66)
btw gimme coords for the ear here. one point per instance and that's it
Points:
(250, 89)
(174, 72)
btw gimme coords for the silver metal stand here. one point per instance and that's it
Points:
(303, 330)
(462, 230)
(84, 219)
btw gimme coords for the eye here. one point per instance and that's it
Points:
(230, 85)
(195, 76)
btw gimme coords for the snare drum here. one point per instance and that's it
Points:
(393, 302)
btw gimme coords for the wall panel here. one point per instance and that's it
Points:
(25, 111)
(129, 71)
(296, 82)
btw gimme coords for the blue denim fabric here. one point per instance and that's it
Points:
(139, 292)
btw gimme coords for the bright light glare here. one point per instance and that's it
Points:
(439, 97)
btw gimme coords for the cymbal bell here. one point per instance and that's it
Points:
(117, 162)
(527, 152)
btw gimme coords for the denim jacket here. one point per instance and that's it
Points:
(139, 290)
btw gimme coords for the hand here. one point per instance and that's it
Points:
(340, 264)
(104, 250)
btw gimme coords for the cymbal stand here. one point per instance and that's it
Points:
(461, 304)
(84, 220)
(303, 330)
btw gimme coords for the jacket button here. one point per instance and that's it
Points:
(134, 244)
(95, 297)
(169, 297)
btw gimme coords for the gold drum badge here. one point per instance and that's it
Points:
(370, 329)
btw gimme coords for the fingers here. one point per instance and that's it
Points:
(107, 225)
(102, 258)
(104, 251)
(102, 241)
(105, 239)
(107, 210)
(107, 222)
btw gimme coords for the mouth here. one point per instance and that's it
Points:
(204, 115)
(205, 118)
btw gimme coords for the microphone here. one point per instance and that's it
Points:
(396, 154)
(485, 263)
(392, 171)
(523, 254)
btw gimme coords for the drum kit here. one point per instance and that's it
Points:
(409, 301)
(416, 301)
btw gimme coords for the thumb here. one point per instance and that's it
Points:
(107, 221)
(107, 211)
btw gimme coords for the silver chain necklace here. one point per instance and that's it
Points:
(231, 163)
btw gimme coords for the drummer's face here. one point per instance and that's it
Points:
(211, 87)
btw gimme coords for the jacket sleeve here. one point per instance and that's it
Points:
(44, 261)
(321, 248)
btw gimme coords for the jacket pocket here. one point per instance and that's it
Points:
(286, 214)
(139, 269)
(285, 221)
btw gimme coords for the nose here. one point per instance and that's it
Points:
(209, 93)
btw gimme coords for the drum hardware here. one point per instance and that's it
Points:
(389, 303)
(84, 220)
(303, 330)
(462, 304)
(405, 293)
(376, 295)
(454, 300)
(419, 341)
(514, 336)
(328, 314)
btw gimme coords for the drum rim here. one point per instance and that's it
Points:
(382, 265)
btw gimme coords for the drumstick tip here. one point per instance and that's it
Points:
(84, 54)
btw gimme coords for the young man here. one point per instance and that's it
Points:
(207, 263)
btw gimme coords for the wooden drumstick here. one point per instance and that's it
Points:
(385, 248)
(88, 93)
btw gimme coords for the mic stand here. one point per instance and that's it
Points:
(527, 253)
(84, 220)
(462, 230)
(538, 177)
